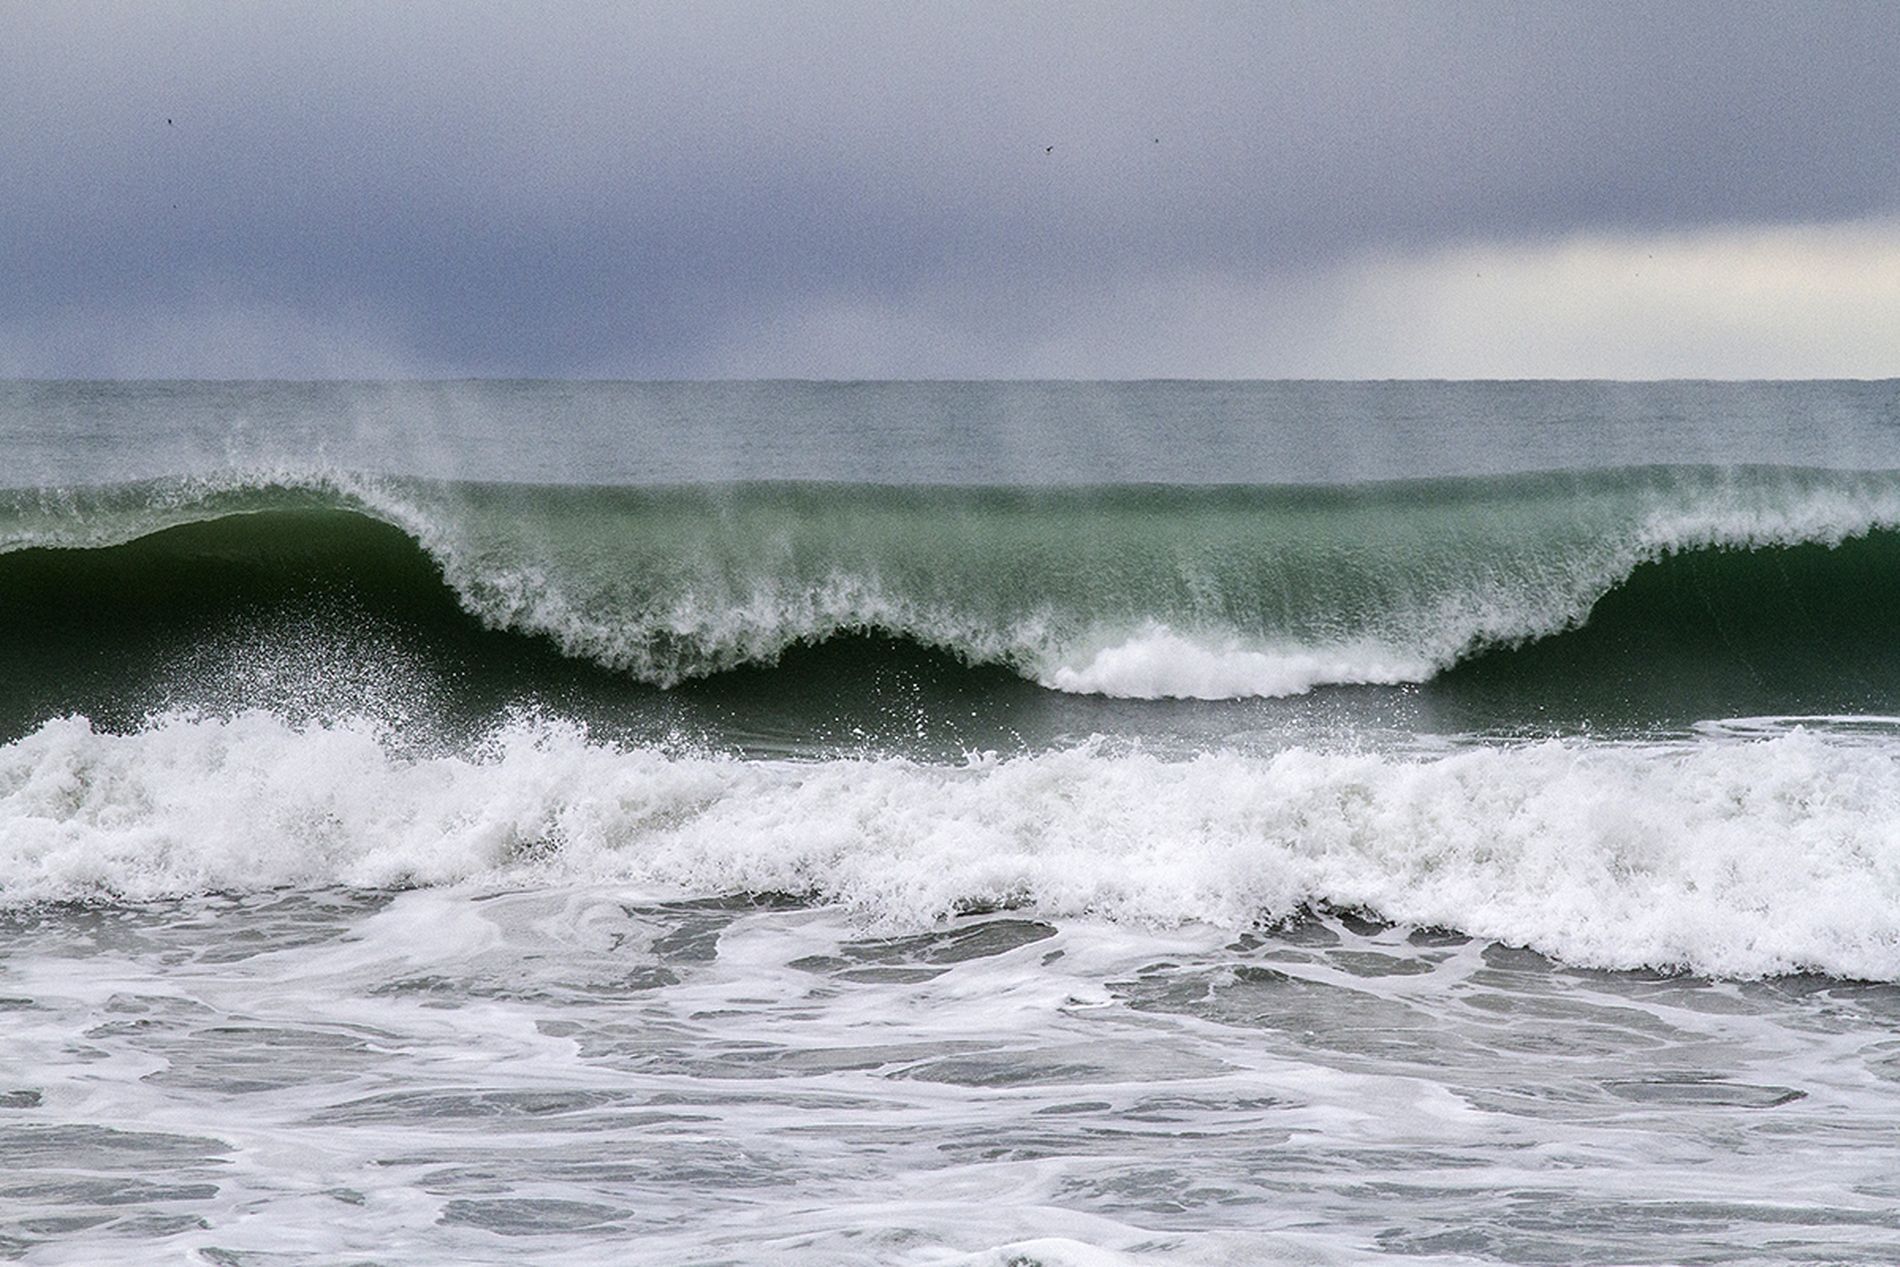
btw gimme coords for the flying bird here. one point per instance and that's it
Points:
(1048, 149)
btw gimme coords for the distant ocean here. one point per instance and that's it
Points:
(931, 823)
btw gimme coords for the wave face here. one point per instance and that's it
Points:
(1761, 574)
(1736, 857)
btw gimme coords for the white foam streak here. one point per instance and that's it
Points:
(1159, 663)
(1723, 856)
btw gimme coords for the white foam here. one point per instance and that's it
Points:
(1723, 856)
(1159, 663)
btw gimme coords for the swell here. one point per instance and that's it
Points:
(1528, 587)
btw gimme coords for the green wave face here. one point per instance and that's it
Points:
(807, 615)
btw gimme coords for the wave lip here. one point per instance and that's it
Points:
(1737, 858)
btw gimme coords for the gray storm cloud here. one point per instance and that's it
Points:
(946, 190)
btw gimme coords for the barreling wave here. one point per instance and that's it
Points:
(1134, 592)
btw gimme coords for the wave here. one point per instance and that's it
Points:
(1133, 592)
(1732, 858)
(1756, 846)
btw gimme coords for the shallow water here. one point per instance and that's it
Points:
(576, 1075)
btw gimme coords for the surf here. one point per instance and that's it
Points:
(1610, 855)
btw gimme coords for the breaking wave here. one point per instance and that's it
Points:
(1131, 592)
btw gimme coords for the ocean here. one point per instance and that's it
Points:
(950, 823)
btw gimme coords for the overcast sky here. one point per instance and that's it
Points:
(885, 190)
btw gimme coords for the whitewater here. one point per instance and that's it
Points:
(949, 823)
(1739, 859)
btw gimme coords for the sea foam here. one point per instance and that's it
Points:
(1720, 856)
(1159, 663)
